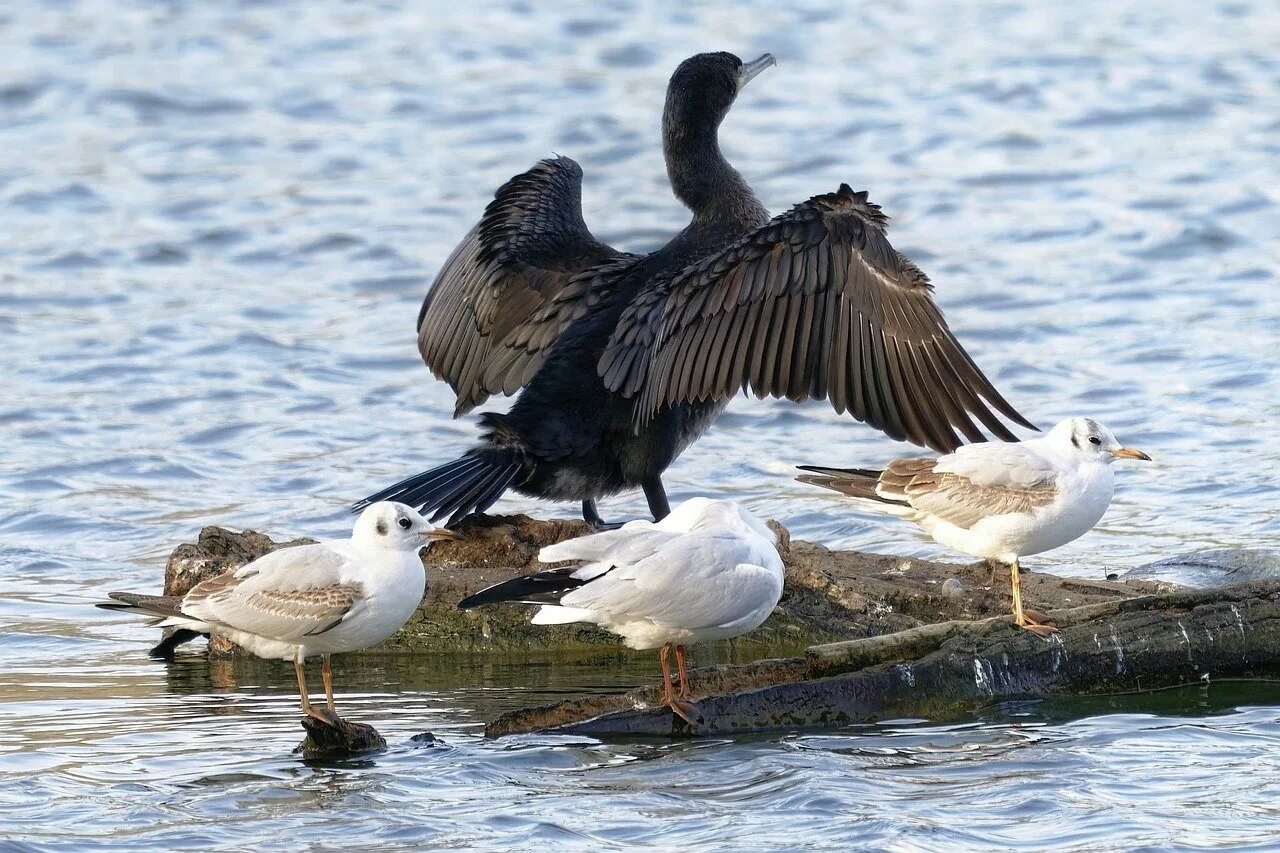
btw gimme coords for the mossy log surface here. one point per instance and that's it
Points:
(829, 595)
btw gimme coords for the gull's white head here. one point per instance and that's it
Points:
(1085, 437)
(396, 527)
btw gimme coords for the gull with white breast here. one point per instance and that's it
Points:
(337, 596)
(708, 571)
(998, 501)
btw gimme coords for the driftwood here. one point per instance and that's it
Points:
(870, 637)
(949, 670)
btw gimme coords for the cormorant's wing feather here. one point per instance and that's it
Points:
(529, 244)
(815, 304)
(513, 362)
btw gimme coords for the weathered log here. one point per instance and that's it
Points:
(949, 670)
(829, 595)
(917, 638)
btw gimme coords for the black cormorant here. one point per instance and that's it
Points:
(625, 360)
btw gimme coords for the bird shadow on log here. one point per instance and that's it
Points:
(341, 739)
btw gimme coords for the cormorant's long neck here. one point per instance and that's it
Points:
(721, 200)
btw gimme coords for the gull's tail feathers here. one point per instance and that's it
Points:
(467, 485)
(859, 483)
(161, 609)
(156, 606)
(554, 614)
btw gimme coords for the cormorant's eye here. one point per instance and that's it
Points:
(405, 524)
(1093, 439)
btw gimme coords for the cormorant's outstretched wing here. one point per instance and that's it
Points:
(815, 304)
(517, 357)
(528, 245)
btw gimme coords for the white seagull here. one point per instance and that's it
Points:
(998, 501)
(708, 571)
(336, 596)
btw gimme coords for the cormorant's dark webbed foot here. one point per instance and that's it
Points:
(592, 516)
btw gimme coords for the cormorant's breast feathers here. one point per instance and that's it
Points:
(526, 250)
(815, 304)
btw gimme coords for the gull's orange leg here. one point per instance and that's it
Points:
(687, 708)
(1019, 615)
(684, 676)
(326, 673)
(664, 655)
(668, 694)
(307, 708)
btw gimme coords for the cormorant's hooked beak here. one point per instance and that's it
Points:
(750, 70)
(1131, 453)
(441, 534)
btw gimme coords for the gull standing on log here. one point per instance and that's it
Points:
(342, 595)
(998, 501)
(622, 361)
(708, 571)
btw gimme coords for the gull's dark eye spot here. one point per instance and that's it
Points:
(405, 523)
(1093, 439)
(381, 527)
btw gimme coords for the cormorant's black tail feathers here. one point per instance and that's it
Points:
(470, 484)
(456, 489)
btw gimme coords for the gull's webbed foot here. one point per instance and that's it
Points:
(685, 710)
(323, 714)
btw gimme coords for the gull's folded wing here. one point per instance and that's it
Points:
(289, 594)
(694, 580)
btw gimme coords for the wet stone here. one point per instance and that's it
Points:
(339, 740)
(1204, 569)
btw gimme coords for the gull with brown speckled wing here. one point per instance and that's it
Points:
(338, 596)
(998, 501)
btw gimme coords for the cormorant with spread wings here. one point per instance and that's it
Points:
(625, 360)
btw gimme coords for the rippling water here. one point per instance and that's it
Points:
(219, 220)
